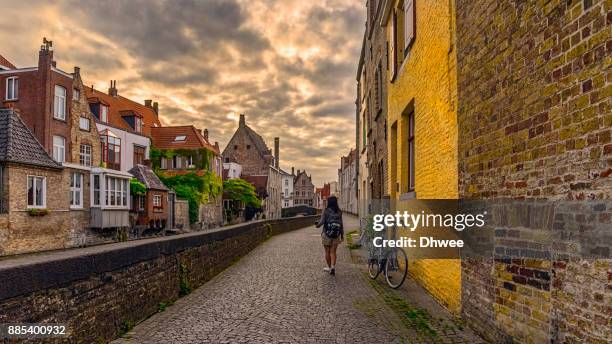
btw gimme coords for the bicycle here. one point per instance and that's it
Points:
(393, 263)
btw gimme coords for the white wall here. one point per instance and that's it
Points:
(287, 185)
(128, 140)
(234, 169)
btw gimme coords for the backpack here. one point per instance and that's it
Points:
(333, 224)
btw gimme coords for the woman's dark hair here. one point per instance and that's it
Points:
(332, 203)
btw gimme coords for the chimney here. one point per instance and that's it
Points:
(45, 55)
(242, 122)
(293, 171)
(148, 103)
(156, 108)
(276, 152)
(77, 71)
(205, 134)
(112, 90)
(298, 172)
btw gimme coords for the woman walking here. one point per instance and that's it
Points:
(332, 233)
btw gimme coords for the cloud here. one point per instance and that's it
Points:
(290, 65)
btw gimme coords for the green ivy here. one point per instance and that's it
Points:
(137, 188)
(201, 157)
(195, 188)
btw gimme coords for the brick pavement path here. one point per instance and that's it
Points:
(279, 294)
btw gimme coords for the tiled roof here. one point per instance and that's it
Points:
(6, 63)
(145, 175)
(18, 144)
(119, 105)
(165, 138)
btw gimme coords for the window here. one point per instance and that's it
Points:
(286, 182)
(142, 200)
(59, 104)
(12, 88)
(59, 149)
(111, 150)
(96, 190)
(411, 152)
(84, 123)
(116, 192)
(409, 25)
(103, 113)
(85, 155)
(164, 163)
(393, 47)
(177, 162)
(180, 138)
(236, 147)
(190, 162)
(248, 146)
(379, 91)
(139, 155)
(37, 192)
(138, 124)
(76, 94)
(157, 201)
(76, 190)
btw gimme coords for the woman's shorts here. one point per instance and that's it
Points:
(327, 241)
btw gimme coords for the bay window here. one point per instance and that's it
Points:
(116, 192)
(59, 103)
(111, 150)
(96, 190)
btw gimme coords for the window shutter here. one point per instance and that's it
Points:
(409, 17)
(393, 47)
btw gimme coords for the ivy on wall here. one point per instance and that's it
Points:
(137, 188)
(195, 188)
(201, 157)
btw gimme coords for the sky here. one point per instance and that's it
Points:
(289, 65)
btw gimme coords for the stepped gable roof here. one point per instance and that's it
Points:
(19, 145)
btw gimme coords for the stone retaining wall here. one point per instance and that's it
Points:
(97, 291)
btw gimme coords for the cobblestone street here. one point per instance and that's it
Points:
(279, 293)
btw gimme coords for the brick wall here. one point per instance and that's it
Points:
(80, 108)
(534, 121)
(426, 84)
(123, 282)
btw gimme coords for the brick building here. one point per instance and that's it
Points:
(303, 189)
(535, 122)
(347, 179)
(372, 89)
(422, 121)
(249, 149)
(364, 198)
(191, 152)
(154, 208)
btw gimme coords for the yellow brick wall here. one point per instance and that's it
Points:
(427, 82)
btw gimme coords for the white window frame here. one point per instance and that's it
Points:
(116, 189)
(59, 103)
(76, 192)
(142, 202)
(76, 94)
(103, 113)
(59, 149)
(83, 120)
(15, 90)
(137, 124)
(44, 192)
(85, 155)
(95, 201)
(157, 201)
(409, 24)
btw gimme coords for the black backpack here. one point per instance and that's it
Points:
(333, 224)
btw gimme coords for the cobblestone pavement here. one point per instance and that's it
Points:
(279, 294)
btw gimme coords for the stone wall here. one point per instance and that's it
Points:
(181, 220)
(534, 118)
(96, 291)
(211, 215)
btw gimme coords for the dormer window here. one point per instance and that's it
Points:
(180, 138)
(133, 119)
(103, 113)
(138, 124)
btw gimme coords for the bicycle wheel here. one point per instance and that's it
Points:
(396, 269)
(373, 269)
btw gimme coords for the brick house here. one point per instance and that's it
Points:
(189, 145)
(124, 126)
(32, 218)
(151, 208)
(249, 149)
(347, 179)
(372, 91)
(303, 189)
